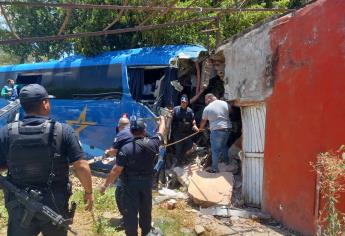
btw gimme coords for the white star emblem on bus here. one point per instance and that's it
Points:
(81, 122)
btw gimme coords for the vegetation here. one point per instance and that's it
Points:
(3, 211)
(330, 168)
(29, 22)
(103, 221)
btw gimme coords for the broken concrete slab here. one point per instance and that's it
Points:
(199, 229)
(208, 189)
(225, 211)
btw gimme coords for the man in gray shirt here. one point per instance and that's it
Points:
(217, 113)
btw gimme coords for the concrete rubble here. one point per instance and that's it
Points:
(225, 211)
(199, 229)
(208, 189)
(199, 181)
(167, 194)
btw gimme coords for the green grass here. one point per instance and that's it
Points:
(169, 221)
(102, 203)
(3, 211)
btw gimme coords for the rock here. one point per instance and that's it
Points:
(199, 229)
(171, 204)
(185, 231)
(208, 189)
(213, 225)
(182, 176)
(232, 167)
(109, 215)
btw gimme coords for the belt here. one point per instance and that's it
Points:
(137, 177)
(223, 129)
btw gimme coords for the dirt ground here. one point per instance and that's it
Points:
(190, 217)
(183, 220)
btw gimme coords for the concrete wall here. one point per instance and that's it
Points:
(297, 65)
(306, 112)
(248, 58)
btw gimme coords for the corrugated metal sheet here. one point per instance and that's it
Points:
(253, 120)
(252, 171)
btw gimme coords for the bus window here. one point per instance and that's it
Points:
(84, 82)
(28, 78)
(145, 83)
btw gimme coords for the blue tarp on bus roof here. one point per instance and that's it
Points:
(139, 56)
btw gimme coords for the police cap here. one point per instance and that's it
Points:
(33, 93)
(184, 98)
(138, 125)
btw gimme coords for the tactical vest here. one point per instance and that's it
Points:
(140, 164)
(182, 122)
(34, 157)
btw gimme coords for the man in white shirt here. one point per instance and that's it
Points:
(217, 113)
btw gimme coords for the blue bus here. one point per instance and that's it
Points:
(91, 93)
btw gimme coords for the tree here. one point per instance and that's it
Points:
(29, 22)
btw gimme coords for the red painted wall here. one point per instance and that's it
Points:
(306, 112)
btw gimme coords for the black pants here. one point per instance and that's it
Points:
(137, 199)
(119, 198)
(182, 147)
(37, 225)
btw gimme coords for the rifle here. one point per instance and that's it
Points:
(33, 207)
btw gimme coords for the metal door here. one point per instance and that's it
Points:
(253, 121)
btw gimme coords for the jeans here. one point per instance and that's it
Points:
(219, 147)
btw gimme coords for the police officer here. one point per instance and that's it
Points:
(183, 124)
(37, 152)
(123, 136)
(134, 165)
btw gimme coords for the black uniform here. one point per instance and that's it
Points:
(122, 137)
(182, 126)
(137, 158)
(38, 152)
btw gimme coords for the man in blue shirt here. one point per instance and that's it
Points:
(134, 165)
(37, 153)
(123, 137)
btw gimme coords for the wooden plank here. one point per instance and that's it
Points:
(8, 23)
(140, 8)
(65, 22)
(101, 33)
(118, 17)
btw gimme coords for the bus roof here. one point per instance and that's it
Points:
(132, 57)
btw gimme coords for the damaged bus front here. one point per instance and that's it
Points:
(92, 93)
